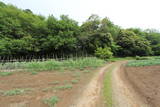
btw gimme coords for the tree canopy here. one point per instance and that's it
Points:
(24, 33)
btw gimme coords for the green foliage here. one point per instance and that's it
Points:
(55, 82)
(64, 87)
(24, 33)
(74, 81)
(49, 65)
(97, 33)
(144, 62)
(86, 71)
(5, 73)
(34, 73)
(103, 53)
(51, 101)
(15, 92)
(132, 45)
(142, 58)
(107, 90)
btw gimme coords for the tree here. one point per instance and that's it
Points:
(132, 45)
(103, 53)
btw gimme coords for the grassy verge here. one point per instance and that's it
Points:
(70, 64)
(107, 91)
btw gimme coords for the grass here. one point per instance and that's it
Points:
(47, 89)
(60, 87)
(149, 62)
(76, 74)
(5, 73)
(51, 101)
(108, 88)
(64, 87)
(34, 73)
(120, 59)
(86, 71)
(14, 92)
(70, 64)
(74, 81)
(55, 82)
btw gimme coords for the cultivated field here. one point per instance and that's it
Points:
(145, 80)
(44, 84)
(83, 82)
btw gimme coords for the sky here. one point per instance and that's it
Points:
(125, 13)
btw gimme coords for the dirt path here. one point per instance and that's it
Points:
(123, 93)
(91, 95)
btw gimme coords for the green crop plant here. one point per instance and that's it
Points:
(5, 73)
(150, 62)
(51, 101)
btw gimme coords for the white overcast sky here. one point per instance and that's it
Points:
(125, 13)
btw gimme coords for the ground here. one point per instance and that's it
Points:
(145, 81)
(131, 86)
(66, 85)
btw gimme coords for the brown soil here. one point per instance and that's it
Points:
(132, 87)
(124, 93)
(145, 81)
(91, 95)
(40, 85)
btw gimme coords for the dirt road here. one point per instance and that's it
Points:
(123, 93)
(91, 95)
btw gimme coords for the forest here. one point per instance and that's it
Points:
(23, 33)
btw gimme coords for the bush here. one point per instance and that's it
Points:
(103, 53)
(142, 58)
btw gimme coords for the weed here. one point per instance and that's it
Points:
(47, 89)
(66, 81)
(5, 73)
(82, 68)
(49, 65)
(108, 88)
(55, 82)
(63, 87)
(51, 101)
(74, 81)
(34, 73)
(76, 74)
(86, 71)
(144, 62)
(1, 92)
(15, 92)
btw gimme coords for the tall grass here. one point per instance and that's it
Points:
(52, 64)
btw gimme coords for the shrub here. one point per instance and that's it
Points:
(142, 58)
(103, 53)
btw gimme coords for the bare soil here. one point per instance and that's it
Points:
(91, 95)
(145, 81)
(41, 87)
(132, 87)
(124, 93)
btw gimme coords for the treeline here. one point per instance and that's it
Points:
(25, 33)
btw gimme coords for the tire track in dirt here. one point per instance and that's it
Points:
(123, 94)
(91, 95)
